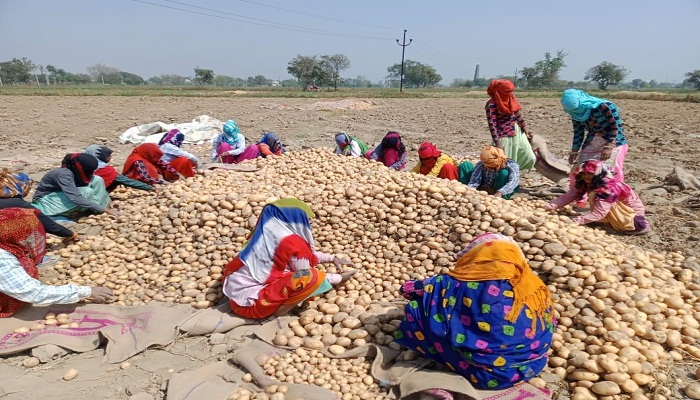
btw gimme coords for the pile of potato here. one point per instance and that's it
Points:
(349, 379)
(624, 312)
(337, 324)
(50, 320)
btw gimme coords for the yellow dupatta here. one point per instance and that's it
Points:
(503, 260)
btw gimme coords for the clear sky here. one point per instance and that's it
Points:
(655, 39)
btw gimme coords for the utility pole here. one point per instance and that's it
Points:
(515, 78)
(403, 52)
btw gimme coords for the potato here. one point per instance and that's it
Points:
(30, 362)
(622, 310)
(70, 374)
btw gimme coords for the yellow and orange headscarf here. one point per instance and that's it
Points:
(493, 158)
(496, 257)
(501, 91)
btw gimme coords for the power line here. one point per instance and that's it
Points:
(263, 22)
(318, 16)
(437, 54)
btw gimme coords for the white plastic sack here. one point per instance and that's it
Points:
(200, 130)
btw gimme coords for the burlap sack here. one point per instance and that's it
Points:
(128, 330)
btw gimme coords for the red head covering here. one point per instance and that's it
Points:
(428, 150)
(108, 174)
(501, 92)
(428, 154)
(23, 236)
(149, 153)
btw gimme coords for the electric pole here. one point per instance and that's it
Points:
(403, 52)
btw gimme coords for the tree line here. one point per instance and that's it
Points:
(325, 70)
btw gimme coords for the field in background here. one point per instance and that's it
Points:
(193, 91)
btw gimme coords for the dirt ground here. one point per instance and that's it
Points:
(37, 132)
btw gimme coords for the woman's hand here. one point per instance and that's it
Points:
(112, 212)
(339, 262)
(550, 207)
(572, 157)
(72, 239)
(606, 153)
(100, 294)
(345, 276)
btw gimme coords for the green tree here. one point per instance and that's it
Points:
(416, 74)
(331, 67)
(131, 79)
(16, 71)
(155, 80)
(203, 76)
(545, 73)
(258, 80)
(481, 82)
(306, 69)
(359, 82)
(57, 75)
(289, 83)
(693, 78)
(78, 79)
(223, 80)
(462, 83)
(638, 83)
(606, 74)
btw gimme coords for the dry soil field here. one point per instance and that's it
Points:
(36, 133)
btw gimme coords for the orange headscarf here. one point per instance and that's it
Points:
(493, 158)
(501, 91)
(496, 257)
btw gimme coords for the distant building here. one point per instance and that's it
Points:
(275, 83)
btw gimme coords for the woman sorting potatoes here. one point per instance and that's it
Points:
(275, 270)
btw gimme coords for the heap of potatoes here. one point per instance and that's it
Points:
(347, 378)
(624, 312)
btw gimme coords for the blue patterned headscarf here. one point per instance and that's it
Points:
(578, 104)
(231, 132)
(272, 141)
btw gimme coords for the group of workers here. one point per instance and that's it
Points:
(490, 319)
(596, 178)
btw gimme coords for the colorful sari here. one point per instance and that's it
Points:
(23, 236)
(489, 320)
(260, 280)
(150, 154)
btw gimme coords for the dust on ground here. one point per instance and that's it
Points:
(37, 132)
